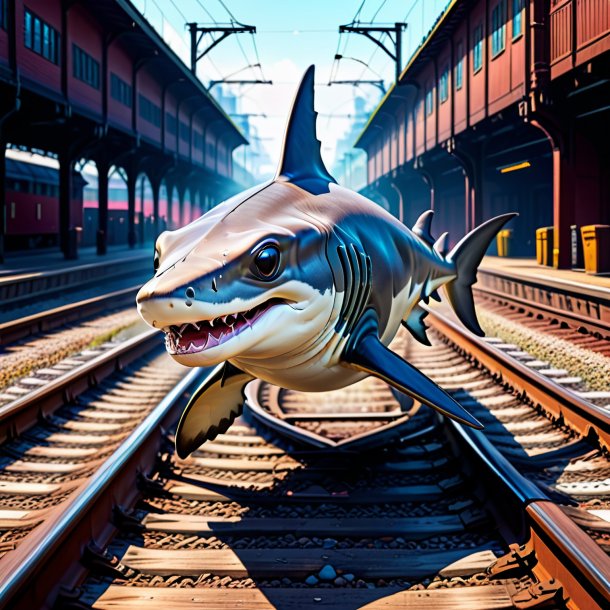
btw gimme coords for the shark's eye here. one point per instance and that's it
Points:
(267, 262)
(156, 260)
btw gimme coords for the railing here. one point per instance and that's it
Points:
(579, 31)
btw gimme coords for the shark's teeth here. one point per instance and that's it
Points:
(195, 337)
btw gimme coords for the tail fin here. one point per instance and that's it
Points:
(466, 256)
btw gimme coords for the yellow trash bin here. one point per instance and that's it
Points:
(544, 246)
(596, 247)
(503, 242)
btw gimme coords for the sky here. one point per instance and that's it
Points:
(290, 36)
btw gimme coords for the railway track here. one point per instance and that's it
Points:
(553, 323)
(57, 288)
(344, 500)
(573, 311)
(55, 317)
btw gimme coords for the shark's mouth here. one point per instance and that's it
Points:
(195, 337)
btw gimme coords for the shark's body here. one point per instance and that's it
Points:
(302, 283)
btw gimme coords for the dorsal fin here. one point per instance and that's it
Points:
(423, 227)
(301, 162)
(441, 245)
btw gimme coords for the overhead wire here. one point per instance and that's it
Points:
(355, 18)
(177, 9)
(377, 11)
(226, 8)
(249, 64)
(205, 10)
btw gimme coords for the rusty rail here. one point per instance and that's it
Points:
(57, 316)
(563, 550)
(575, 304)
(20, 289)
(577, 413)
(21, 414)
(57, 544)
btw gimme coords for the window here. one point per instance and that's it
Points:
(3, 17)
(198, 139)
(85, 68)
(38, 36)
(39, 211)
(171, 123)
(149, 111)
(459, 67)
(498, 28)
(36, 39)
(517, 18)
(477, 49)
(120, 90)
(27, 29)
(184, 131)
(443, 85)
(13, 210)
(429, 101)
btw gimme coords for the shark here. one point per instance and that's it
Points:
(303, 283)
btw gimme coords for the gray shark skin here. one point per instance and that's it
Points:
(302, 283)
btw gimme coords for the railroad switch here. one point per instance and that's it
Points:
(518, 562)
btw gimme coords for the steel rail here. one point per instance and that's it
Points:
(574, 303)
(394, 430)
(89, 511)
(577, 413)
(21, 414)
(57, 316)
(571, 318)
(562, 548)
(576, 560)
(20, 289)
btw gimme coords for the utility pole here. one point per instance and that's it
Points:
(199, 31)
(368, 29)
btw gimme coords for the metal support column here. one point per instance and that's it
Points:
(103, 168)
(2, 196)
(141, 216)
(67, 232)
(156, 190)
(131, 208)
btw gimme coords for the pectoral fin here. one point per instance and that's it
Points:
(415, 324)
(368, 354)
(212, 408)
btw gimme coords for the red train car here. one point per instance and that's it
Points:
(32, 195)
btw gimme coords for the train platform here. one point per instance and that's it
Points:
(564, 280)
(574, 297)
(24, 263)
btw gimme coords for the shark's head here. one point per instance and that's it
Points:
(250, 278)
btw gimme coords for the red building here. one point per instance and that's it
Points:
(93, 80)
(503, 107)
